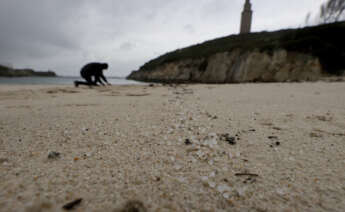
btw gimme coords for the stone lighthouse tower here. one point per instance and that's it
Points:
(246, 20)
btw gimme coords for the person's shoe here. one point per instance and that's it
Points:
(76, 84)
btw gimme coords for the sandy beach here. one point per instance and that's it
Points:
(240, 147)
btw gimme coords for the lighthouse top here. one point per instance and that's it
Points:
(247, 6)
(246, 20)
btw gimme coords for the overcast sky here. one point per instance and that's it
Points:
(63, 35)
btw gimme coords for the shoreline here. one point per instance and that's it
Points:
(56, 81)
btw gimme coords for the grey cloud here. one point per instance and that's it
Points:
(64, 34)
(36, 29)
(127, 46)
(189, 28)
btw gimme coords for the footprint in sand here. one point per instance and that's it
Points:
(18, 107)
(137, 94)
(60, 90)
(79, 105)
(323, 118)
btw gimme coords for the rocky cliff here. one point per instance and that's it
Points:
(10, 72)
(281, 56)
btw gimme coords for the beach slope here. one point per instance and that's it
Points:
(245, 147)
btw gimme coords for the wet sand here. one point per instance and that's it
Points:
(245, 147)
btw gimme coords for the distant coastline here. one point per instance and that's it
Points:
(11, 72)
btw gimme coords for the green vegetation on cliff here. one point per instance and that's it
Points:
(10, 72)
(325, 42)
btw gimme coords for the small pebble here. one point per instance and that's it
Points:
(223, 188)
(178, 167)
(3, 160)
(212, 184)
(188, 142)
(54, 155)
(72, 205)
(230, 140)
(86, 155)
(226, 195)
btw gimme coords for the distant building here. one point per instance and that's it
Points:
(246, 20)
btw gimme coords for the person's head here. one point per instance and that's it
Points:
(104, 65)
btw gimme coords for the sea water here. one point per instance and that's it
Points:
(58, 80)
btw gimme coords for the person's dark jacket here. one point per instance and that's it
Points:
(94, 70)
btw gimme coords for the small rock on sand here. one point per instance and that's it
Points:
(54, 155)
